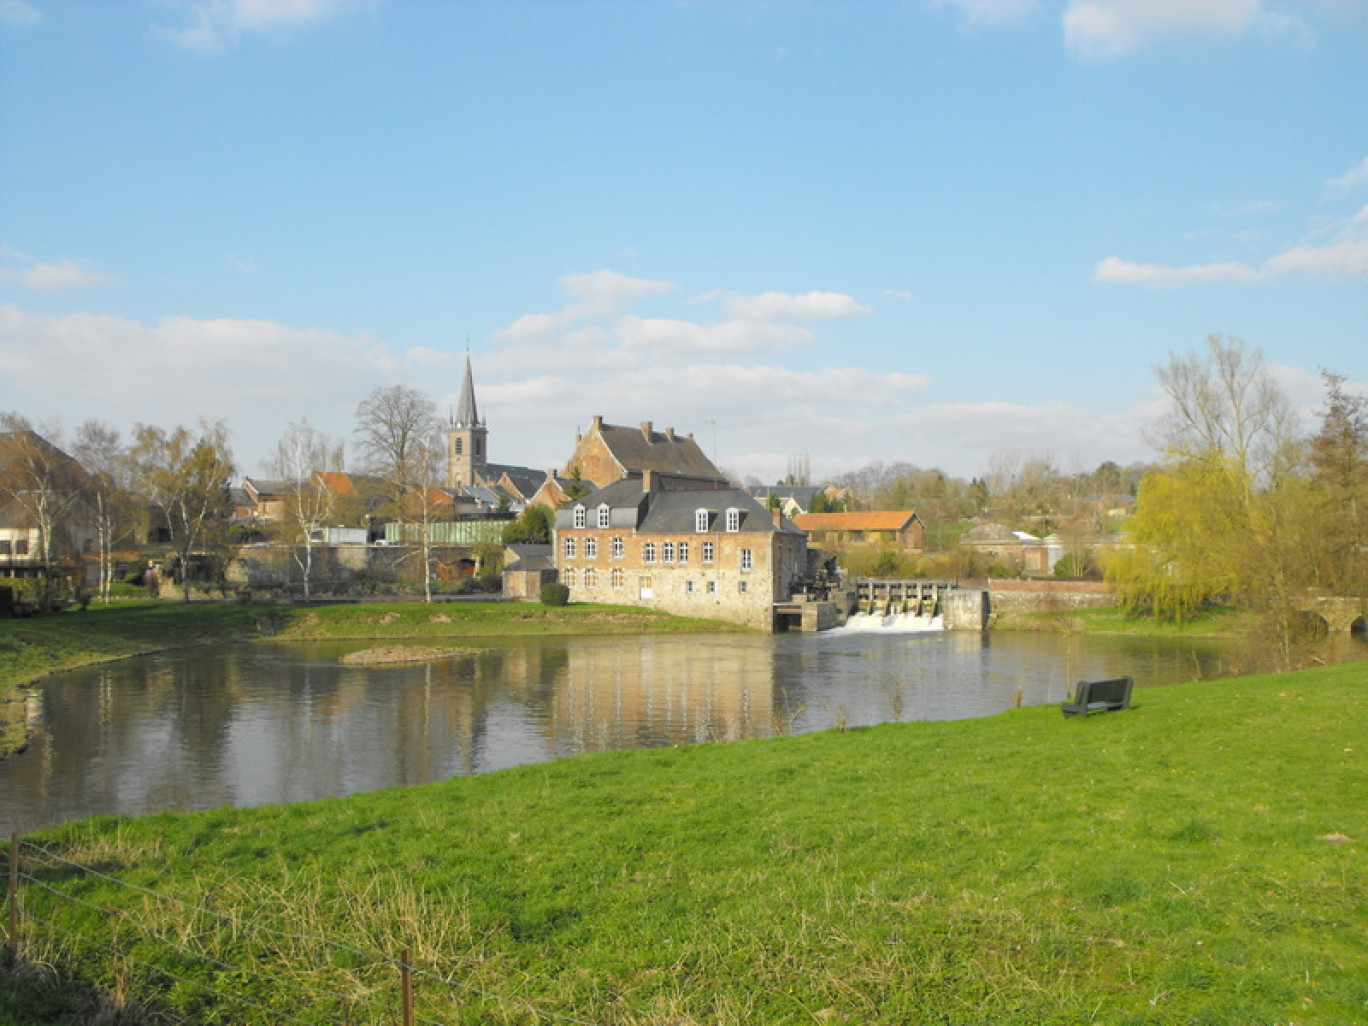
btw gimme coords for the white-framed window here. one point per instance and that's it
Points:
(604, 515)
(648, 552)
(569, 548)
(667, 552)
(741, 587)
(580, 517)
(712, 587)
(590, 548)
(733, 521)
(618, 578)
(590, 578)
(701, 521)
(617, 548)
(747, 559)
(683, 552)
(688, 587)
(709, 550)
(569, 576)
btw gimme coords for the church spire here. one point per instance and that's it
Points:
(467, 414)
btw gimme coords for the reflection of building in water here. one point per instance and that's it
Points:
(675, 691)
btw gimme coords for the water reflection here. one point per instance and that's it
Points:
(274, 723)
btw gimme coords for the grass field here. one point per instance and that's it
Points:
(31, 649)
(1201, 858)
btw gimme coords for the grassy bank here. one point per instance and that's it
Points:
(1202, 858)
(1217, 622)
(32, 649)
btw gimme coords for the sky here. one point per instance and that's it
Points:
(940, 232)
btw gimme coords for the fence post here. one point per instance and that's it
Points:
(406, 986)
(13, 946)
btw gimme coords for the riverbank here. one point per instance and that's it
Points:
(1198, 858)
(31, 649)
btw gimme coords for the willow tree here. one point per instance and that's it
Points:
(1221, 516)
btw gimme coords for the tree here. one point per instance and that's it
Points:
(424, 499)
(186, 477)
(394, 428)
(1339, 470)
(44, 484)
(102, 453)
(309, 506)
(1225, 515)
(533, 526)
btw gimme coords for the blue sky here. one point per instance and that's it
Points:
(935, 231)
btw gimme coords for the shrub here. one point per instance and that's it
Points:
(555, 594)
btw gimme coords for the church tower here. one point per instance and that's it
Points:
(467, 456)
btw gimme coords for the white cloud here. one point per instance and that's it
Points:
(210, 26)
(602, 294)
(680, 341)
(1114, 270)
(992, 12)
(776, 306)
(258, 376)
(1344, 256)
(1348, 182)
(1106, 29)
(65, 274)
(19, 15)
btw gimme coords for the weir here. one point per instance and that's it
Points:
(892, 604)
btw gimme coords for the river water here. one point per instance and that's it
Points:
(253, 724)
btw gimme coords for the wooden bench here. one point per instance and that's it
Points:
(1092, 696)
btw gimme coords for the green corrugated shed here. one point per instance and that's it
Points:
(459, 532)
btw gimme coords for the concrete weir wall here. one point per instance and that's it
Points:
(1027, 596)
(965, 609)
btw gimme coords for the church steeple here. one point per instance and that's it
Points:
(467, 413)
(467, 459)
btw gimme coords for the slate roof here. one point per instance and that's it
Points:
(467, 414)
(660, 453)
(672, 512)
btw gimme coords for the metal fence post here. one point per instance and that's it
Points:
(406, 986)
(13, 946)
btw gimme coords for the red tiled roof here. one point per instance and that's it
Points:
(877, 521)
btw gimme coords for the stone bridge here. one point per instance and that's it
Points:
(1341, 615)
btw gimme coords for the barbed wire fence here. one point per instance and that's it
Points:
(145, 958)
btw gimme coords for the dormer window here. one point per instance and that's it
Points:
(603, 515)
(580, 518)
(701, 521)
(733, 520)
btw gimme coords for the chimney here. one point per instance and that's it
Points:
(646, 430)
(778, 517)
(669, 433)
(648, 481)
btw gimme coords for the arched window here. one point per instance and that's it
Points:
(733, 520)
(701, 521)
(580, 518)
(458, 446)
(604, 514)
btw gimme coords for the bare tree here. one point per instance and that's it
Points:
(424, 500)
(393, 424)
(1226, 409)
(100, 451)
(301, 454)
(186, 477)
(44, 484)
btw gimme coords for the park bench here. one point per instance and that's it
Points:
(1092, 696)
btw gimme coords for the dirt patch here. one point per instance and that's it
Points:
(396, 656)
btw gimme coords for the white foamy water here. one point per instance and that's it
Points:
(905, 623)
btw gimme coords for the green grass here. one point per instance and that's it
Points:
(34, 648)
(1216, 622)
(1198, 859)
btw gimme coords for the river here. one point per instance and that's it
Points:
(252, 724)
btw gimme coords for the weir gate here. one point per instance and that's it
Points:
(953, 607)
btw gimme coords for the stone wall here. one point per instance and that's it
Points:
(275, 566)
(1011, 597)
